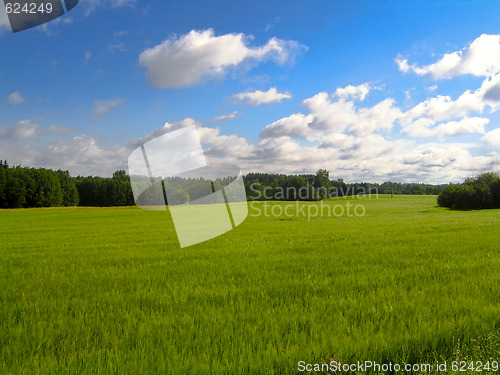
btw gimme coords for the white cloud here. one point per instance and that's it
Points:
(81, 155)
(296, 125)
(228, 147)
(355, 142)
(104, 106)
(15, 98)
(216, 145)
(381, 116)
(29, 129)
(199, 55)
(188, 121)
(490, 92)
(444, 108)
(338, 140)
(88, 55)
(338, 112)
(69, 153)
(256, 98)
(357, 148)
(20, 130)
(481, 58)
(421, 127)
(492, 138)
(354, 92)
(225, 117)
(465, 125)
(334, 115)
(424, 127)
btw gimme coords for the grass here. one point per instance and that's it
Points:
(109, 290)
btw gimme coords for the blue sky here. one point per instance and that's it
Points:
(372, 91)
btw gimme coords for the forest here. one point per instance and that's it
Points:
(24, 187)
(475, 193)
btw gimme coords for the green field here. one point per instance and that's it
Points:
(109, 290)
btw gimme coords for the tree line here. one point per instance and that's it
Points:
(266, 186)
(23, 187)
(29, 187)
(474, 193)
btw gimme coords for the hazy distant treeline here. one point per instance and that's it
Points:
(263, 186)
(22, 187)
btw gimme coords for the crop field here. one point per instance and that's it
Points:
(109, 290)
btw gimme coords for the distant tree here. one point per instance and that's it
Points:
(15, 191)
(70, 195)
(3, 185)
(322, 183)
(105, 192)
(178, 196)
(475, 193)
(120, 175)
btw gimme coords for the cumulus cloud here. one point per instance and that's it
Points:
(15, 98)
(490, 92)
(492, 138)
(331, 114)
(296, 125)
(381, 116)
(20, 130)
(199, 55)
(104, 106)
(361, 148)
(228, 148)
(68, 153)
(481, 58)
(354, 92)
(444, 108)
(338, 112)
(354, 141)
(256, 98)
(424, 127)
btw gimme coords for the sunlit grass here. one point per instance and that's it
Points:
(109, 290)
